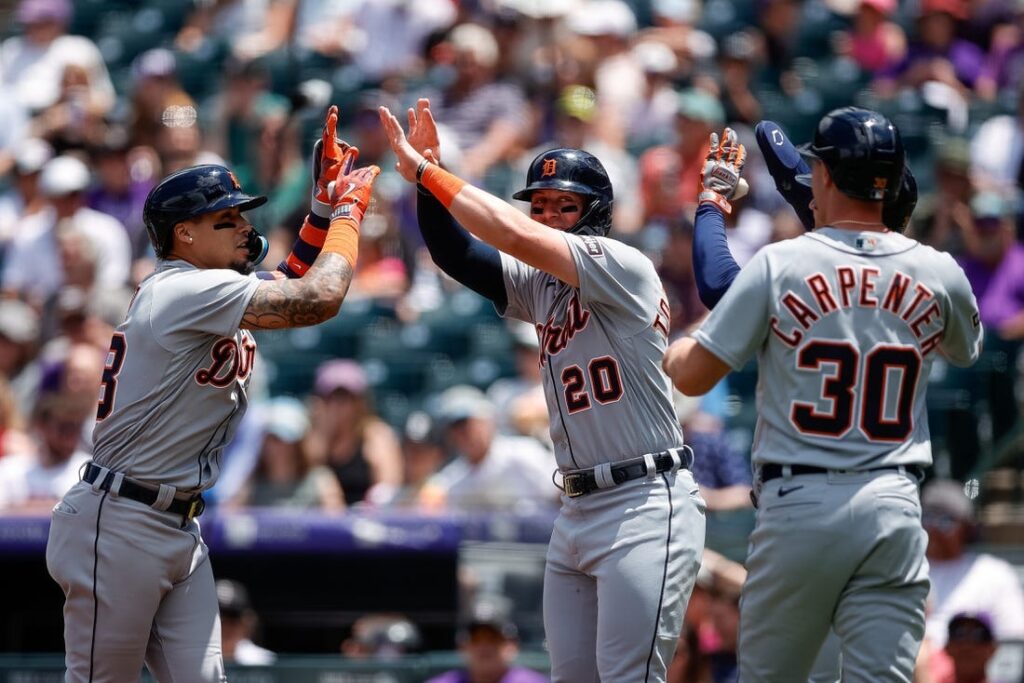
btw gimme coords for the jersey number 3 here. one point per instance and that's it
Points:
(108, 388)
(842, 361)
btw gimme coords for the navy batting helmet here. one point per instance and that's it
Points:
(574, 170)
(863, 152)
(896, 214)
(192, 192)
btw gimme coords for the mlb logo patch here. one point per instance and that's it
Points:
(593, 246)
(866, 243)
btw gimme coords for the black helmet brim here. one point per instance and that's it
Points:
(553, 184)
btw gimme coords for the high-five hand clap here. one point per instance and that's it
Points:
(408, 158)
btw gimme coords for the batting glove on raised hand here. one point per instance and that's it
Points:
(332, 157)
(720, 179)
(350, 193)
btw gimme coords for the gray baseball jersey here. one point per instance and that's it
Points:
(622, 560)
(136, 578)
(844, 325)
(174, 389)
(600, 349)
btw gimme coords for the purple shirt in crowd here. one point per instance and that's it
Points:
(515, 675)
(967, 59)
(126, 208)
(1000, 292)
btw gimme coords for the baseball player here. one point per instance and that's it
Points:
(844, 321)
(626, 546)
(714, 265)
(124, 542)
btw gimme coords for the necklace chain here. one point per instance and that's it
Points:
(853, 222)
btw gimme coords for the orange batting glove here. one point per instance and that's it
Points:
(332, 157)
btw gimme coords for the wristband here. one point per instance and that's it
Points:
(421, 168)
(343, 239)
(712, 197)
(442, 184)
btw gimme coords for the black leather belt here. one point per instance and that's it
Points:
(774, 470)
(187, 508)
(581, 482)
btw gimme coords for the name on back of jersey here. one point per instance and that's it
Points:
(862, 287)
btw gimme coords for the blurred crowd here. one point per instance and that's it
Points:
(99, 99)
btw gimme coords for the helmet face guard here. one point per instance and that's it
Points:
(863, 152)
(192, 192)
(573, 170)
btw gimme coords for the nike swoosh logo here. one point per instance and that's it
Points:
(786, 492)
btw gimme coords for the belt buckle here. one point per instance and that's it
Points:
(195, 509)
(573, 484)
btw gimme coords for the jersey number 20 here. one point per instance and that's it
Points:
(108, 388)
(839, 388)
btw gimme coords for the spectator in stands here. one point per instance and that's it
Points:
(669, 175)
(359, 447)
(404, 27)
(520, 408)
(380, 274)
(486, 115)
(688, 665)
(33, 266)
(155, 96)
(120, 191)
(970, 646)
(489, 645)
(238, 624)
(738, 60)
(650, 119)
(997, 149)
(962, 580)
(941, 212)
(874, 41)
(382, 637)
(19, 344)
(13, 130)
(24, 198)
(32, 64)
(938, 54)
(284, 475)
(676, 271)
(993, 261)
(490, 471)
(722, 473)
(33, 482)
(422, 456)
(13, 437)
(724, 613)
(76, 120)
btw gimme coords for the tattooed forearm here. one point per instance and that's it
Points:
(309, 300)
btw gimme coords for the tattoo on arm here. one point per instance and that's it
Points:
(306, 301)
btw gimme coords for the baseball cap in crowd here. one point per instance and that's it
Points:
(990, 206)
(419, 428)
(30, 155)
(63, 175)
(681, 11)
(655, 58)
(490, 614)
(340, 375)
(462, 402)
(19, 322)
(286, 418)
(700, 105)
(975, 627)
(38, 11)
(602, 18)
(232, 598)
(156, 63)
(946, 498)
(476, 40)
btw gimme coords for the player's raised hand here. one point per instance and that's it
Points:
(332, 157)
(408, 158)
(350, 193)
(720, 179)
(423, 131)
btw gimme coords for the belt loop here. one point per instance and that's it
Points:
(902, 469)
(554, 473)
(676, 460)
(787, 472)
(652, 468)
(101, 476)
(164, 497)
(688, 456)
(603, 476)
(115, 484)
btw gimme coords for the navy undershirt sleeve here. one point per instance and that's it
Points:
(714, 268)
(468, 260)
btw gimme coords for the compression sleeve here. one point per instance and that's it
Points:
(468, 260)
(714, 268)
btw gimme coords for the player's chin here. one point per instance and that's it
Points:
(244, 266)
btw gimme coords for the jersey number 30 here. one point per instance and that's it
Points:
(115, 359)
(841, 361)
